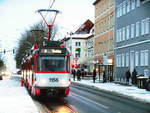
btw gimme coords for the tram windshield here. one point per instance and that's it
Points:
(52, 64)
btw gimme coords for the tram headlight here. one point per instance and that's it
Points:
(42, 82)
(30, 72)
(64, 82)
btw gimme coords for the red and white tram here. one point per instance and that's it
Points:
(46, 70)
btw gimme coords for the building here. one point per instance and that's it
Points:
(132, 32)
(90, 51)
(104, 32)
(77, 44)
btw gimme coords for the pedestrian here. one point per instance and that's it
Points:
(128, 75)
(104, 76)
(82, 73)
(134, 77)
(94, 75)
(78, 74)
(74, 74)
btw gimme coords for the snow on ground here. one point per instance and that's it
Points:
(130, 91)
(14, 98)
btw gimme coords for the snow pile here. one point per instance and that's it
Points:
(130, 91)
(14, 98)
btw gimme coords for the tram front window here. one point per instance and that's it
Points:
(52, 64)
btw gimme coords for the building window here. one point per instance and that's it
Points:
(127, 59)
(117, 60)
(136, 58)
(121, 10)
(117, 38)
(124, 7)
(132, 30)
(123, 59)
(128, 6)
(78, 43)
(120, 35)
(131, 59)
(142, 58)
(132, 4)
(147, 25)
(143, 27)
(146, 57)
(137, 29)
(77, 55)
(123, 33)
(127, 32)
(137, 3)
(118, 11)
(120, 60)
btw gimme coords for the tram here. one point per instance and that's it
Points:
(46, 70)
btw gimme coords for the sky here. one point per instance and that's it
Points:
(16, 16)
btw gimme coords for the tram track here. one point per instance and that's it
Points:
(58, 106)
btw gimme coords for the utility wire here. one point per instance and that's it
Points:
(50, 6)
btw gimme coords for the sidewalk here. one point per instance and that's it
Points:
(14, 98)
(130, 92)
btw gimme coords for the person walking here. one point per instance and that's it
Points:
(134, 77)
(74, 74)
(78, 74)
(104, 76)
(82, 73)
(94, 75)
(128, 75)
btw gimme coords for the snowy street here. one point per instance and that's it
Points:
(14, 98)
(131, 92)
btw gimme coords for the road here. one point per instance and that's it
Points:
(82, 100)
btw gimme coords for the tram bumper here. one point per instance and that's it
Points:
(54, 91)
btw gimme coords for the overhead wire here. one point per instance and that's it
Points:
(49, 7)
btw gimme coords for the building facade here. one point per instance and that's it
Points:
(90, 51)
(78, 43)
(132, 42)
(104, 37)
(104, 32)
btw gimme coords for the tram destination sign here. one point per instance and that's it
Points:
(52, 51)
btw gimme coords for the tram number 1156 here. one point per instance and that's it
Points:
(53, 80)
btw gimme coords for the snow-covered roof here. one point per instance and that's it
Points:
(80, 35)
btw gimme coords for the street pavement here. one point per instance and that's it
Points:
(126, 91)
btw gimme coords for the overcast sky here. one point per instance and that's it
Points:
(18, 15)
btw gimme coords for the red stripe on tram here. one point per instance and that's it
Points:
(52, 72)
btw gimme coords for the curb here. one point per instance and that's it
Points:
(111, 93)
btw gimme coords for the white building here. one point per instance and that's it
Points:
(78, 44)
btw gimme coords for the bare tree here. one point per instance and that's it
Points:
(35, 35)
